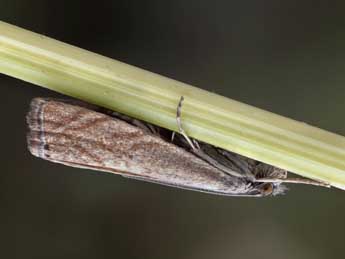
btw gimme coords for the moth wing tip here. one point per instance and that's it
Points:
(34, 143)
(34, 122)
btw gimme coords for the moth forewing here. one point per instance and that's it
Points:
(73, 135)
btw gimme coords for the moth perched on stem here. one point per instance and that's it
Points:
(85, 136)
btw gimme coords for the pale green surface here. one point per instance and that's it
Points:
(223, 122)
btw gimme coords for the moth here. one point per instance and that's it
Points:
(82, 135)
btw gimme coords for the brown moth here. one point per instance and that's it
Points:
(85, 136)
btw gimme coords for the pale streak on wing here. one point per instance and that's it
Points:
(75, 136)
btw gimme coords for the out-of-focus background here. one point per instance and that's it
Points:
(287, 57)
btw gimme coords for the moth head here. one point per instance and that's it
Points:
(267, 171)
(268, 188)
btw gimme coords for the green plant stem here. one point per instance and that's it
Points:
(261, 135)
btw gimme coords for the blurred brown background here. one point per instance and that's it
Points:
(283, 56)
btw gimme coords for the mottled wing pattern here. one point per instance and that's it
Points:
(79, 137)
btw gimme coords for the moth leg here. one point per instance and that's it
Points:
(199, 152)
(193, 143)
(294, 180)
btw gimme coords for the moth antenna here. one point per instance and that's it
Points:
(294, 180)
